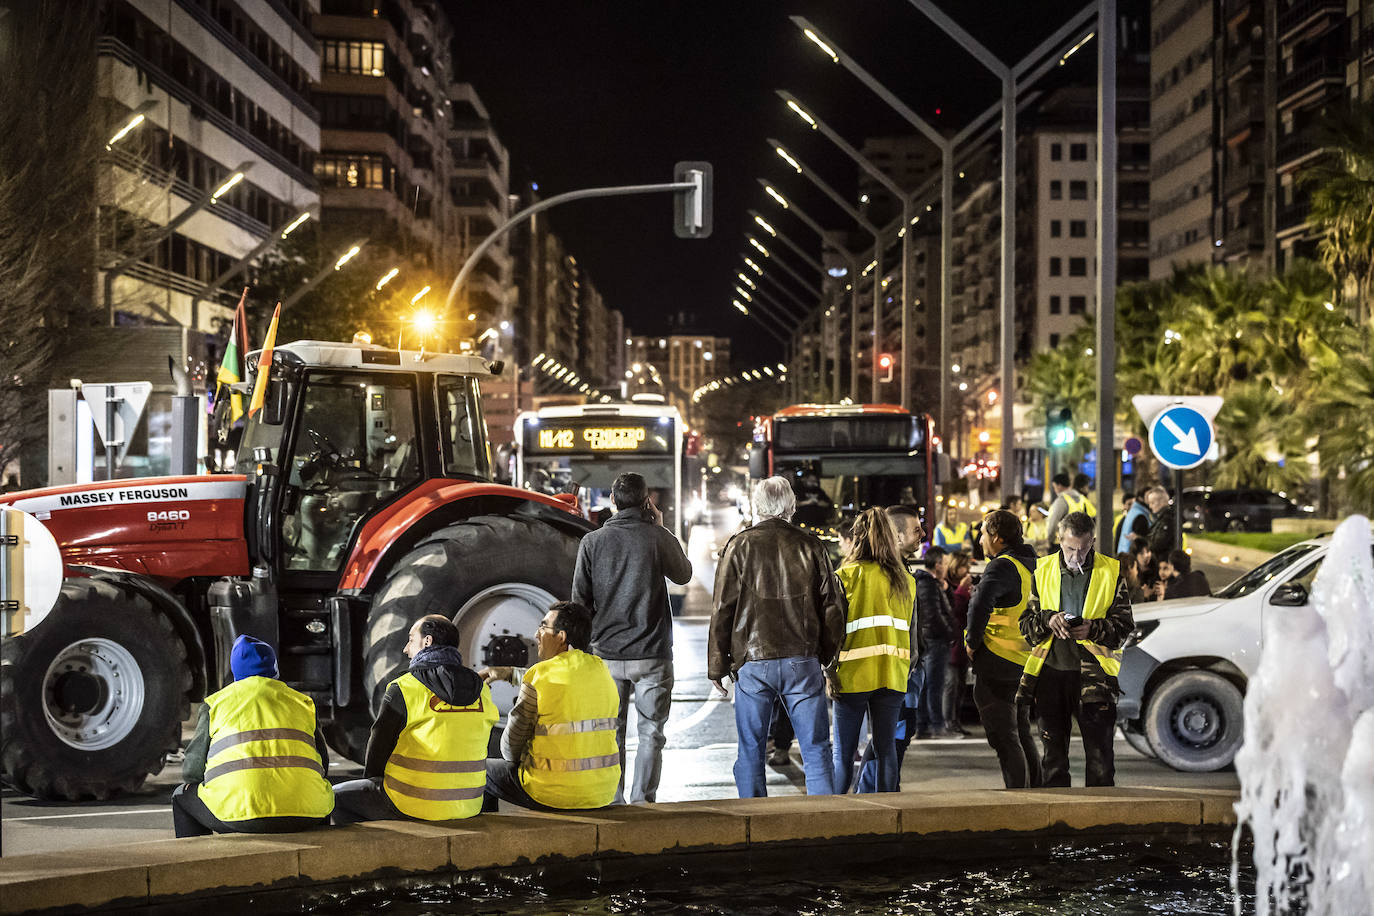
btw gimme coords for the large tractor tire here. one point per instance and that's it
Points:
(494, 576)
(92, 699)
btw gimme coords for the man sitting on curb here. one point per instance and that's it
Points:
(256, 763)
(559, 746)
(426, 756)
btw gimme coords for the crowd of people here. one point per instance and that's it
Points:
(881, 643)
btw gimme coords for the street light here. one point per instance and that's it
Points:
(387, 277)
(228, 185)
(136, 117)
(347, 256)
(420, 295)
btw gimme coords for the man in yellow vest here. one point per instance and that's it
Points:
(952, 534)
(1077, 625)
(257, 761)
(999, 652)
(559, 748)
(427, 754)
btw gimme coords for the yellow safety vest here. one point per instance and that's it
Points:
(1080, 503)
(438, 769)
(1003, 632)
(262, 760)
(1101, 590)
(877, 635)
(573, 760)
(952, 536)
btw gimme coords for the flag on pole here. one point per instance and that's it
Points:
(264, 365)
(231, 367)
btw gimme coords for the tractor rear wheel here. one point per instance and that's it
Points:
(494, 576)
(93, 697)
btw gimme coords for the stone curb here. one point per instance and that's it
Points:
(207, 867)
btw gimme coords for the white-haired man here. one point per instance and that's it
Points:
(779, 616)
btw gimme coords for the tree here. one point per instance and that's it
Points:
(1264, 447)
(1341, 185)
(1066, 377)
(49, 155)
(1339, 417)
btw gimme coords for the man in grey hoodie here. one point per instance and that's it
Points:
(619, 576)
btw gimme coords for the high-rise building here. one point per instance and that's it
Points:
(409, 158)
(1182, 133)
(223, 87)
(682, 363)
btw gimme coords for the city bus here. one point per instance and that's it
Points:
(842, 459)
(582, 448)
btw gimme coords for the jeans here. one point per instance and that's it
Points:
(650, 681)
(798, 682)
(1058, 701)
(930, 696)
(364, 800)
(882, 707)
(1008, 728)
(191, 817)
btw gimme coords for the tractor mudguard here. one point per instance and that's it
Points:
(438, 502)
(168, 604)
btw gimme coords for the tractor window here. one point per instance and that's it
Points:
(355, 448)
(460, 422)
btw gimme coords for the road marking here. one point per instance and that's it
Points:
(53, 817)
(707, 707)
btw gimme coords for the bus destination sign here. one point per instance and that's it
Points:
(575, 438)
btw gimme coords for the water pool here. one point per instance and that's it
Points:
(1166, 876)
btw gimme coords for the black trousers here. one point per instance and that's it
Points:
(191, 817)
(1008, 728)
(1058, 702)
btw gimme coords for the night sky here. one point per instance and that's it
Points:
(602, 93)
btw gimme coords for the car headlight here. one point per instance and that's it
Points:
(1142, 629)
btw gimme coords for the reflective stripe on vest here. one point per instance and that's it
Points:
(573, 760)
(438, 769)
(876, 652)
(262, 760)
(1003, 633)
(1101, 591)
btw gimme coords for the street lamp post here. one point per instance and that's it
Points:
(891, 186)
(273, 239)
(344, 257)
(839, 201)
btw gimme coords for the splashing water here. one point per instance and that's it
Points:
(1307, 764)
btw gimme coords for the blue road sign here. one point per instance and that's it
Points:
(1181, 436)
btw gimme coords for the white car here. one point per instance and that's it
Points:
(1185, 667)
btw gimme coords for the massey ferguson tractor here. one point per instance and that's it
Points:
(362, 501)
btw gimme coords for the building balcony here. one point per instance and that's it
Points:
(1312, 75)
(1305, 12)
(1293, 214)
(1242, 177)
(1297, 146)
(1243, 116)
(1243, 55)
(1243, 241)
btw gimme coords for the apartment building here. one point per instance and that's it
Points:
(409, 159)
(1182, 133)
(224, 86)
(681, 363)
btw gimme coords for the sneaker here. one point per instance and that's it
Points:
(923, 736)
(779, 757)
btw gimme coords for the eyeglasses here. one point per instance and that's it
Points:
(543, 626)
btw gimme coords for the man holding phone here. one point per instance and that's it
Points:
(1079, 616)
(620, 576)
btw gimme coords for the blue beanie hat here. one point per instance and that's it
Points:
(252, 658)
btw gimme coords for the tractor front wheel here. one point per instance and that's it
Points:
(93, 697)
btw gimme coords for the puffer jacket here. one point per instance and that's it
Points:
(934, 616)
(776, 596)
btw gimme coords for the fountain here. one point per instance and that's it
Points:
(1307, 765)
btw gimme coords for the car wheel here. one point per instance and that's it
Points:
(1194, 721)
(1138, 742)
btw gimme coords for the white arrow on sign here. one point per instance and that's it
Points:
(1187, 442)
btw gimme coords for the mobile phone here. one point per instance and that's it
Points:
(1071, 621)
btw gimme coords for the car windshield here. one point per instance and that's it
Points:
(1266, 572)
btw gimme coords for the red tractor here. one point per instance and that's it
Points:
(362, 501)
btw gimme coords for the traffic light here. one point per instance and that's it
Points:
(692, 206)
(1059, 427)
(885, 363)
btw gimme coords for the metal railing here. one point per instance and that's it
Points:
(1316, 71)
(1303, 12)
(187, 191)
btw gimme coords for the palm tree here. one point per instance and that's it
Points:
(1342, 201)
(1339, 418)
(1262, 445)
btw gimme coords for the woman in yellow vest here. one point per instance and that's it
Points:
(256, 763)
(559, 748)
(1082, 617)
(427, 754)
(875, 658)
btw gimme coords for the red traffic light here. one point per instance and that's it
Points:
(885, 361)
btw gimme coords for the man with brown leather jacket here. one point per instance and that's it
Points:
(779, 617)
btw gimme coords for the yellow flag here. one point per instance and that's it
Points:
(264, 365)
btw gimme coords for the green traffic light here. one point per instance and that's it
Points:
(1061, 436)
